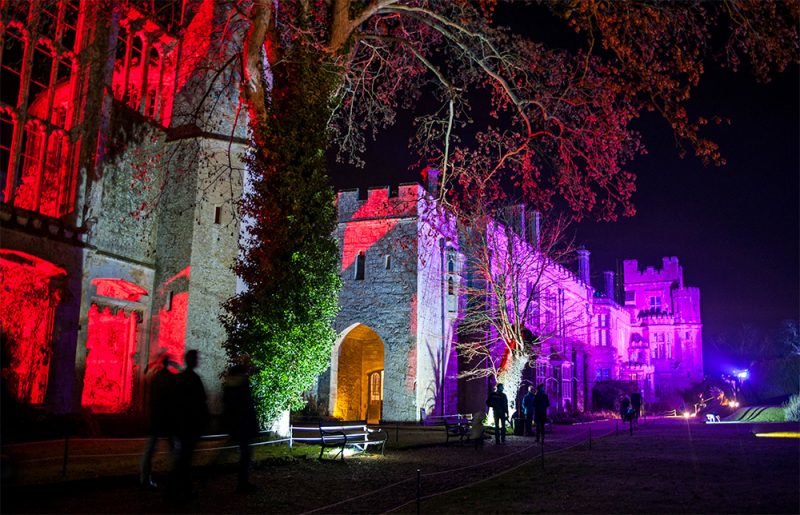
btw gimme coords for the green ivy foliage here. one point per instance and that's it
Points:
(283, 322)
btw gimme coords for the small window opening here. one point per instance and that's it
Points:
(217, 214)
(388, 262)
(360, 262)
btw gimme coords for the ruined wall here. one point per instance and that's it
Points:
(65, 249)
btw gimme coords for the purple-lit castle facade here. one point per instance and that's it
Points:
(403, 308)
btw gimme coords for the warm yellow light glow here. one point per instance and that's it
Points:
(779, 434)
(686, 414)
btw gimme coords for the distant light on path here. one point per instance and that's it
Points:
(779, 434)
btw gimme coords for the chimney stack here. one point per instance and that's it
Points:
(583, 265)
(532, 228)
(609, 277)
(431, 176)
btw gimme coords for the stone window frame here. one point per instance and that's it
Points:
(142, 45)
(44, 63)
(451, 277)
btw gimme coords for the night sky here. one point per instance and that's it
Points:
(735, 228)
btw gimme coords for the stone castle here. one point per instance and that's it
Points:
(117, 238)
(397, 358)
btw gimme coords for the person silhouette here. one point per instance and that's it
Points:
(240, 419)
(540, 404)
(624, 405)
(192, 419)
(498, 401)
(528, 408)
(161, 417)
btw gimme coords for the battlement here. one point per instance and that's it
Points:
(381, 202)
(655, 317)
(670, 271)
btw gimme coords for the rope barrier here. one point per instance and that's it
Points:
(204, 437)
(483, 480)
(448, 471)
(126, 455)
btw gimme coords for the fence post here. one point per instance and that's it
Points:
(396, 434)
(419, 490)
(67, 427)
(542, 450)
(616, 424)
(66, 453)
(291, 432)
(590, 438)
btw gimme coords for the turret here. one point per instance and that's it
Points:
(583, 265)
(608, 275)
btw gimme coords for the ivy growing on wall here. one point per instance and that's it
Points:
(283, 322)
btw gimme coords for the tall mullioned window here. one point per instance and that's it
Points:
(37, 98)
(43, 91)
(602, 332)
(144, 66)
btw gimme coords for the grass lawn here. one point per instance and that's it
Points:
(670, 467)
(666, 466)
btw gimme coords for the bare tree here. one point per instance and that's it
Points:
(513, 271)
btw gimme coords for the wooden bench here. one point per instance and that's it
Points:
(354, 435)
(457, 427)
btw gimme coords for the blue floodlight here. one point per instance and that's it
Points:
(742, 375)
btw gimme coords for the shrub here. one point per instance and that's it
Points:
(791, 409)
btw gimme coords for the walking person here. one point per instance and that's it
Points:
(528, 408)
(193, 416)
(540, 404)
(161, 420)
(624, 405)
(240, 420)
(498, 401)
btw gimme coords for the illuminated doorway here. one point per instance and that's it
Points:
(111, 345)
(30, 294)
(375, 396)
(358, 375)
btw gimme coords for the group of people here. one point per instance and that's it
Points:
(534, 411)
(178, 412)
(630, 407)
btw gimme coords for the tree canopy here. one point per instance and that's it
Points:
(495, 111)
(506, 109)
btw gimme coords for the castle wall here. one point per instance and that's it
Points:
(437, 362)
(385, 229)
(667, 317)
(214, 247)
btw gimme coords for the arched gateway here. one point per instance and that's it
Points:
(357, 375)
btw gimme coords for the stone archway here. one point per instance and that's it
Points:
(358, 377)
